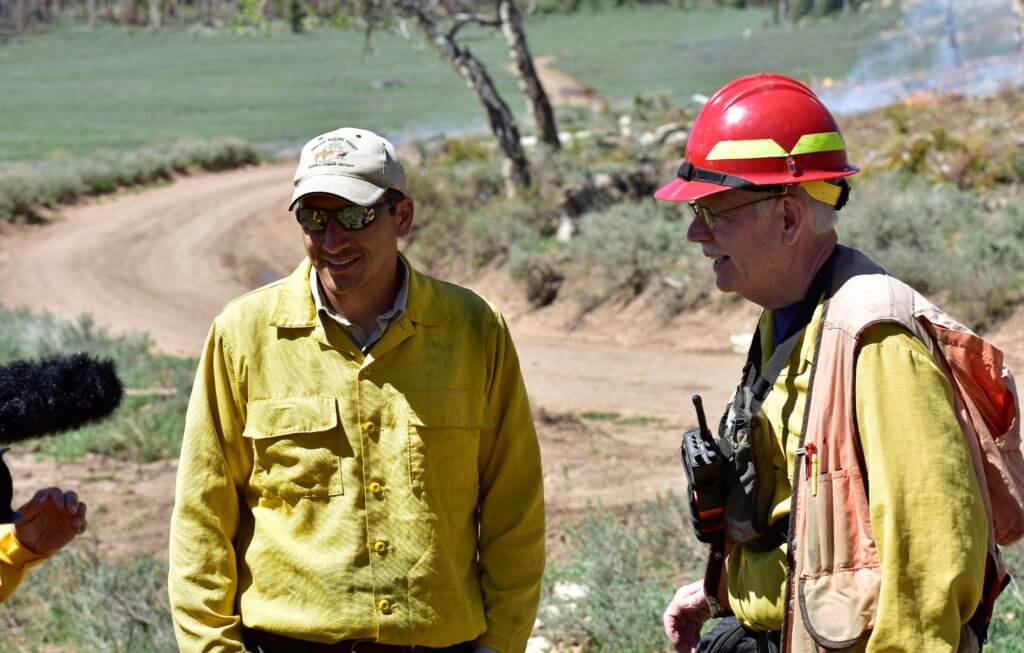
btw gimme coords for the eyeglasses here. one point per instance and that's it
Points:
(351, 218)
(708, 217)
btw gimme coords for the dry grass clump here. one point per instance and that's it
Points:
(27, 188)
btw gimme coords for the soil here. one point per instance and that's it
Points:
(610, 391)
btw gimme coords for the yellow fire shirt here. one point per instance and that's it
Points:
(329, 494)
(15, 560)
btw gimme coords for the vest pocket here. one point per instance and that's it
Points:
(839, 580)
(296, 447)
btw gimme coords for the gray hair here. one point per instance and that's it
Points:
(824, 218)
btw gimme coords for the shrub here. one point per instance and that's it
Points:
(26, 188)
(1007, 625)
(623, 570)
(635, 245)
(80, 602)
(942, 241)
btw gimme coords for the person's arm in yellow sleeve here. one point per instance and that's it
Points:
(511, 543)
(927, 514)
(203, 575)
(15, 560)
(51, 519)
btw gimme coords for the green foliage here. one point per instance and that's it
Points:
(249, 18)
(79, 601)
(26, 187)
(145, 427)
(1006, 633)
(629, 567)
(297, 16)
(609, 416)
(943, 242)
(631, 244)
(464, 216)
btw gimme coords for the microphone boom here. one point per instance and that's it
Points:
(56, 394)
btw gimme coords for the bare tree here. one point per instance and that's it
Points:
(529, 83)
(503, 124)
(20, 16)
(782, 11)
(128, 12)
(510, 21)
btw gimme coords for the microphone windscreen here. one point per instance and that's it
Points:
(55, 394)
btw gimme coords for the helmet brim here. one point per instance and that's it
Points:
(681, 190)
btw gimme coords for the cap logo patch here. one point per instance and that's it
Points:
(332, 152)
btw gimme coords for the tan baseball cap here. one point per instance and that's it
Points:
(354, 164)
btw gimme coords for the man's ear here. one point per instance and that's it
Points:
(404, 213)
(794, 218)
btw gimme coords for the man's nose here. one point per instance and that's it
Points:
(335, 236)
(698, 232)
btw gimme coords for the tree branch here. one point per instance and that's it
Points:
(462, 19)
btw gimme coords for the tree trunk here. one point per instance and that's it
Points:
(90, 12)
(471, 69)
(782, 11)
(127, 12)
(155, 11)
(19, 16)
(540, 107)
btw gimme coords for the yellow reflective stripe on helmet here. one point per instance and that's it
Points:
(823, 142)
(758, 148)
(767, 148)
(823, 191)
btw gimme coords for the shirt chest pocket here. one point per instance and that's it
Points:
(444, 440)
(297, 447)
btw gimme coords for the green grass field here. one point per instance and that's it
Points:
(76, 90)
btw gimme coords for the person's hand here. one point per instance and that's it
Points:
(685, 615)
(50, 520)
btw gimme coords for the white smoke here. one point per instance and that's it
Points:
(972, 47)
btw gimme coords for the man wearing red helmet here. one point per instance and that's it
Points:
(850, 519)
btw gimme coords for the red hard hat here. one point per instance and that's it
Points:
(759, 130)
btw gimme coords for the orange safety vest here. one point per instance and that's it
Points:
(833, 579)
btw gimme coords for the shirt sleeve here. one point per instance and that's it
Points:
(203, 575)
(927, 514)
(511, 544)
(15, 560)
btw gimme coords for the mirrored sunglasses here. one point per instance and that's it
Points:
(350, 218)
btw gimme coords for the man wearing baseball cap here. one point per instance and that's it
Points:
(360, 471)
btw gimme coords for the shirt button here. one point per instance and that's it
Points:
(384, 606)
(376, 489)
(380, 547)
(369, 427)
